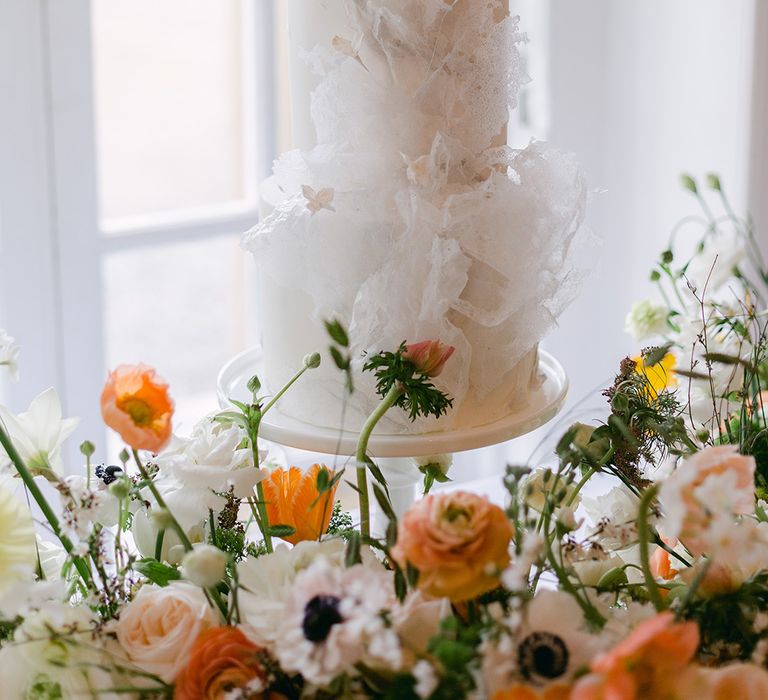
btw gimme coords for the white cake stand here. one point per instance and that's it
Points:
(393, 451)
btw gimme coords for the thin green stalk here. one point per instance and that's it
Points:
(159, 544)
(282, 391)
(263, 519)
(50, 516)
(360, 456)
(644, 537)
(161, 502)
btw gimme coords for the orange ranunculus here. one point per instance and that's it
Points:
(292, 499)
(557, 691)
(428, 356)
(651, 662)
(223, 659)
(135, 403)
(458, 541)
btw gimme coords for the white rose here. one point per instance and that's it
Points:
(646, 319)
(205, 565)
(158, 628)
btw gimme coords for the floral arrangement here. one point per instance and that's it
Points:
(194, 568)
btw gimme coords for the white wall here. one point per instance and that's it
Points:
(643, 91)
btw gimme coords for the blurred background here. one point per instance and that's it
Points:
(134, 135)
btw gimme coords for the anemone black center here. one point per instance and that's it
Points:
(544, 655)
(320, 614)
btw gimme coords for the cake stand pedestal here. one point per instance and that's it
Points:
(393, 452)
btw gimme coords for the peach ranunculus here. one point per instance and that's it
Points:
(650, 663)
(293, 499)
(223, 660)
(719, 474)
(135, 403)
(526, 692)
(742, 681)
(158, 628)
(428, 356)
(458, 541)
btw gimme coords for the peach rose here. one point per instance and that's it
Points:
(742, 681)
(222, 660)
(651, 662)
(135, 403)
(458, 541)
(293, 499)
(158, 628)
(686, 515)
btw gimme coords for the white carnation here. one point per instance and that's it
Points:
(646, 320)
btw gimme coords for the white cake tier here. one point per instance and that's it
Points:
(412, 220)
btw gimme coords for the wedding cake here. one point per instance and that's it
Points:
(409, 218)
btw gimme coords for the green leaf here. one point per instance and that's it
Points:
(339, 360)
(281, 530)
(353, 549)
(612, 579)
(322, 480)
(657, 354)
(691, 374)
(384, 504)
(156, 571)
(337, 332)
(377, 473)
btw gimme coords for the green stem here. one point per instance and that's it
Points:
(282, 391)
(159, 544)
(644, 537)
(161, 502)
(360, 456)
(50, 516)
(261, 506)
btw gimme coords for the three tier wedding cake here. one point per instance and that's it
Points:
(411, 218)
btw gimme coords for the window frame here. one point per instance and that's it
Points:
(59, 318)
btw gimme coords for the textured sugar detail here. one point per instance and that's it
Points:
(419, 222)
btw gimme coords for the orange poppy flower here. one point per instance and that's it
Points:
(223, 659)
(293, 499)
(135, 403)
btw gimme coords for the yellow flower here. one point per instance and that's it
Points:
(17, 540)
(660, 376)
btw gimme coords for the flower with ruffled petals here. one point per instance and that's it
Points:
(458, 541)
(293, 499)
(713, 484)
(223, 660)
(428, 356)
(649, 663)
(158, 628)
(135, 403)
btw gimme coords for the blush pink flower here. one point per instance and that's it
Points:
(714, 482)
(650, 663)
(458, 541)
(428, 356)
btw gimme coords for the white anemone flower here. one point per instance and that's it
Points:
(333, 620)
(39, 433)
(549, 643)
(9, 354)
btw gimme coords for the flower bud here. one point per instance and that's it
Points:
(205, 565)
(87, 448)
(312, 361)
(713, 180)
(689, 183)
(428, 356)
(442, 463)
(161, 518)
